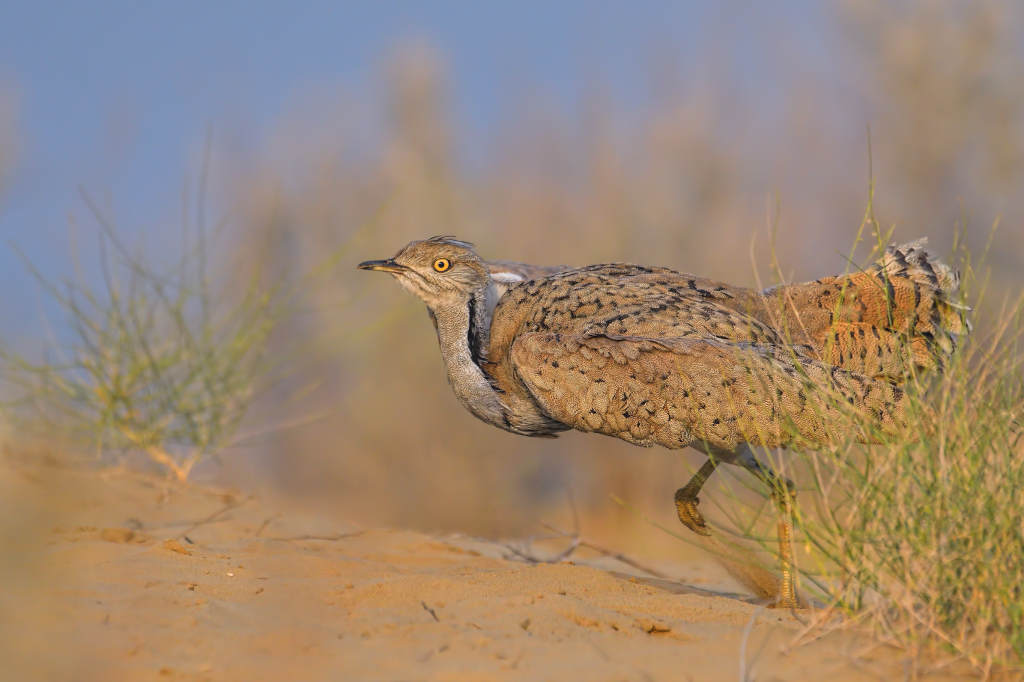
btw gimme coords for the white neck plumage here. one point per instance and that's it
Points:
(462, 332)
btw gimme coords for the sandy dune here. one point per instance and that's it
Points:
(116, 576)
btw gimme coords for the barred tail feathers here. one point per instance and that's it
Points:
(925, 289)
(900, 311)
(911, 292)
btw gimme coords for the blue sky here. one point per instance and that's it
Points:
(116, 96)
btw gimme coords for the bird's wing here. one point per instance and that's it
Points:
(674, 391)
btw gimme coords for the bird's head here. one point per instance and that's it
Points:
(440, 271)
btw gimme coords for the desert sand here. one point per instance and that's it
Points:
(113, 575)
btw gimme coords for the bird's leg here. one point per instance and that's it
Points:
(783, 494)
(787, 592)
(687, 500)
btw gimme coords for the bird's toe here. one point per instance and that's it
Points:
(690, 516)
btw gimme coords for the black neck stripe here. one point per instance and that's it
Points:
(473, 335)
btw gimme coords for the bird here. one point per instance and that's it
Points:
(657, 357)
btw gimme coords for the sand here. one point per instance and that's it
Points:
(120, 576)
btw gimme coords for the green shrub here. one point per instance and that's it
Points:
(161, 360)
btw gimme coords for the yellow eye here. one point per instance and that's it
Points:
(442, 264)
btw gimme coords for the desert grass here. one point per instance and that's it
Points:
(161, 359)
(920, 537)
(926, 535)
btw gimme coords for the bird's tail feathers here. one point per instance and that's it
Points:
(919, 296)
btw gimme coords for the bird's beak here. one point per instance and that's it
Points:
(388, 265)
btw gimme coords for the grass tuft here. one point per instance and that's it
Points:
(927, 535)
(158, 360)
(922, 534)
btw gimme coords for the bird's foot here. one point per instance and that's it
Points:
(785, 601)
(686, 505)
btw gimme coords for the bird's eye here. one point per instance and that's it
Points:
(442, 264)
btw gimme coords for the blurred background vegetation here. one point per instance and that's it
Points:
(691, 175)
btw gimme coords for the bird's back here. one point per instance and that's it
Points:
(626, 300)
(616, 300)
(876, 323)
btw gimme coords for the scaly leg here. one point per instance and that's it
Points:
(787, 593)
(687, 500)
(783, 494)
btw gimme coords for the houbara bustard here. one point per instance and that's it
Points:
(654, 356)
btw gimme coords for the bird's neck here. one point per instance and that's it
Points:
(463, 335)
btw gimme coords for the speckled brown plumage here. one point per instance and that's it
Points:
(858, 334)
(677, 391)
(877, 322)
(653, 356)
